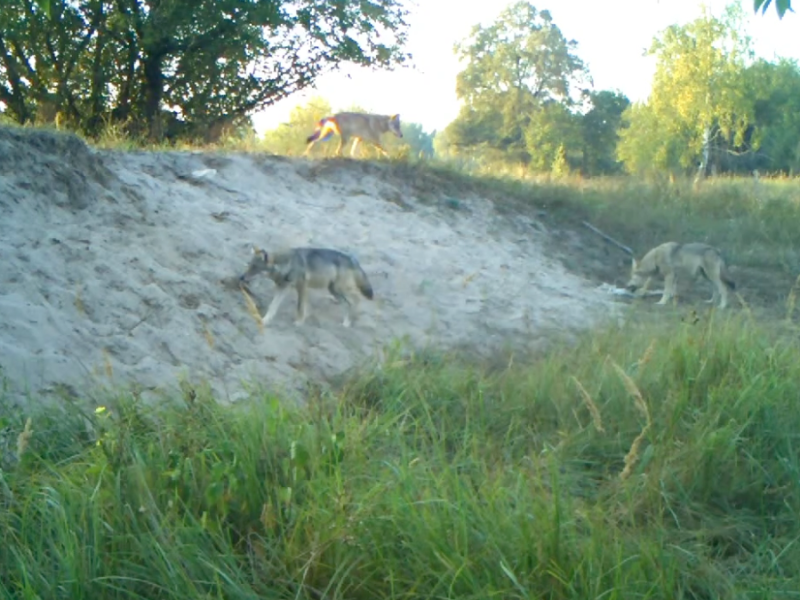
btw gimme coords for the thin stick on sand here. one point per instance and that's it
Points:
(608, 238)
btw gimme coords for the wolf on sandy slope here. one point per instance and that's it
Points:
(361, 127)
(693, 259)
(304, 268)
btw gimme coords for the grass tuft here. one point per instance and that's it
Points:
(433, 477)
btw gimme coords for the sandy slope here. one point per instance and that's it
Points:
(112, 265)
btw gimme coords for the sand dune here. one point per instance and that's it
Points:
(112, 265)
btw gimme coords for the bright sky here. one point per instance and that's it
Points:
(611, 36)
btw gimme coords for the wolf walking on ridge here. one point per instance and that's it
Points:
(693, 259)
(304, 268)
(361, 127)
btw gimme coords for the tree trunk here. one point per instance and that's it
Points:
(153, 92)
(16, 99)
(702, 170)
(98, 104)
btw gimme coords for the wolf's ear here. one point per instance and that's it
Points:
(395, 117)
(265, 256)
(255, 249)
(634, 263)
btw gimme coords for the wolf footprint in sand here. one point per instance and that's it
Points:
(189, 301)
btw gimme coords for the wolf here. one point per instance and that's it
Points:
(359, 126)
(304, 268)
(692, 259)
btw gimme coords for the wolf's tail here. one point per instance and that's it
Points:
(364, 286)
(325, 129)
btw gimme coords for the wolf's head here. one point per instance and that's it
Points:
(637, 279)
(394, 125)
(260, 263)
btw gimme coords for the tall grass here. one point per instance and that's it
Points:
(650, 461)
(752, 219)
(753, 222)
(641, 463)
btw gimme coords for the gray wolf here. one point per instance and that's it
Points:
(361, 127)
(304, 268)
(692, 259)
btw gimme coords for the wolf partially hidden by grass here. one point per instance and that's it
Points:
(304, 268)
(358, 126)
(693, 259)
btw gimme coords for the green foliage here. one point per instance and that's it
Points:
(781, 6)
(290, 138)
(646, 144)
(699, 98)
(515, 67)
(600, 132)
(419, 141)
(776, 87)
(550, 132)
(523, 87)
(432, 478)
(560, 166)
(211, 62)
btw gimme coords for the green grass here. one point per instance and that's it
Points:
(434, 478)
(753, 223)
(658, 460)
(752, 220)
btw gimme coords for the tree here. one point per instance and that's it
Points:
(600, 132)
(419, 141)
(776, 130)
(649, 144)
(553, 134)
(205, 61)
(699, 93)
(290, 138)
(514, 68)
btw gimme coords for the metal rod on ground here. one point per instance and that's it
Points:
(608, 238)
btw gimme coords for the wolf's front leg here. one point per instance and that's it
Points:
(351, 314)
(723, 295)
(354, 147)
(381, 150)
(302, 304)
(669, 289)
(280, 295)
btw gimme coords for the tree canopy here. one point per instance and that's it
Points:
(514, 68)
(164, 66)
(713, 105)
(527, 99)
(697, 101)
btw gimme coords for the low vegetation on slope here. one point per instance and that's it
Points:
(753, 221)
(654, 459)
(655, 462)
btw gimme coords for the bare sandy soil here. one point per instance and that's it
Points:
(113, 269)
